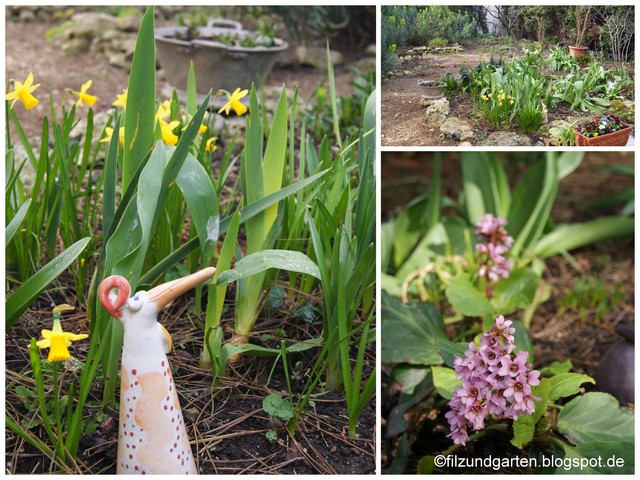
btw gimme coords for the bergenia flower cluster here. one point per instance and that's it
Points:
(494, 382)
(494, 242)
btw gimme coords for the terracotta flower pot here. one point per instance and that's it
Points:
(576, 51)
(613, 139)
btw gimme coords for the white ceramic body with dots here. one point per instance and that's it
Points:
(152, 437)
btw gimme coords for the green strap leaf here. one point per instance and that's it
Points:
(19, 301)
(141, 100)
(568, 237)
(202, 200)
(15, 222)
(274, 158)
(261, 261)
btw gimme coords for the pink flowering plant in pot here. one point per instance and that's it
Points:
(458, 296)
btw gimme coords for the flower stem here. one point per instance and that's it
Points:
(37, 375)
(475, 436)
(56, 408)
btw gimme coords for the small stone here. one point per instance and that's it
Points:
(92, 24)
(317, 57)
(437, 111)
(75, 46)
(457, 129)
(504, 138)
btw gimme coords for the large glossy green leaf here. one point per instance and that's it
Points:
(409, 377)
(567, 384)
(522, 339)
(449, 350)
(524, 425)
(409, 332)
(568, 237)
(259, 262)
(141, 100)
(515, 292)
(15, 222)
(595, 416)
(445, 380)
(20, 300)
(597, 457)
(466, 299)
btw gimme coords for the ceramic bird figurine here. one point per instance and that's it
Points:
(152, 436)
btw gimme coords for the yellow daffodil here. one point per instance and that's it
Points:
(23, 91)
(201, 130)
(164, 110)
(168, 136)
(210, 146)
(109, 134)
(234, 102)
(83, 96)
(57, 340)
(121, 99)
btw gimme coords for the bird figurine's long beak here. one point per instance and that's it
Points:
(164, 294)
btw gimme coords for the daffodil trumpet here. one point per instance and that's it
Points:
(152, 435)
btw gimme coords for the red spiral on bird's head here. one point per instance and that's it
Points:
(124, 290)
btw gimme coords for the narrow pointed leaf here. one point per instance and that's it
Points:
(261, 261)
(20, 300)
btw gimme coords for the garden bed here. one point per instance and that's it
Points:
(403, 113)
(230, 417)
(233, 439)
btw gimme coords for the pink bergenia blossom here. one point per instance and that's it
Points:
(494, 242)
(495, 381)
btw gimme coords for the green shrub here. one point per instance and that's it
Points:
(438, 42)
